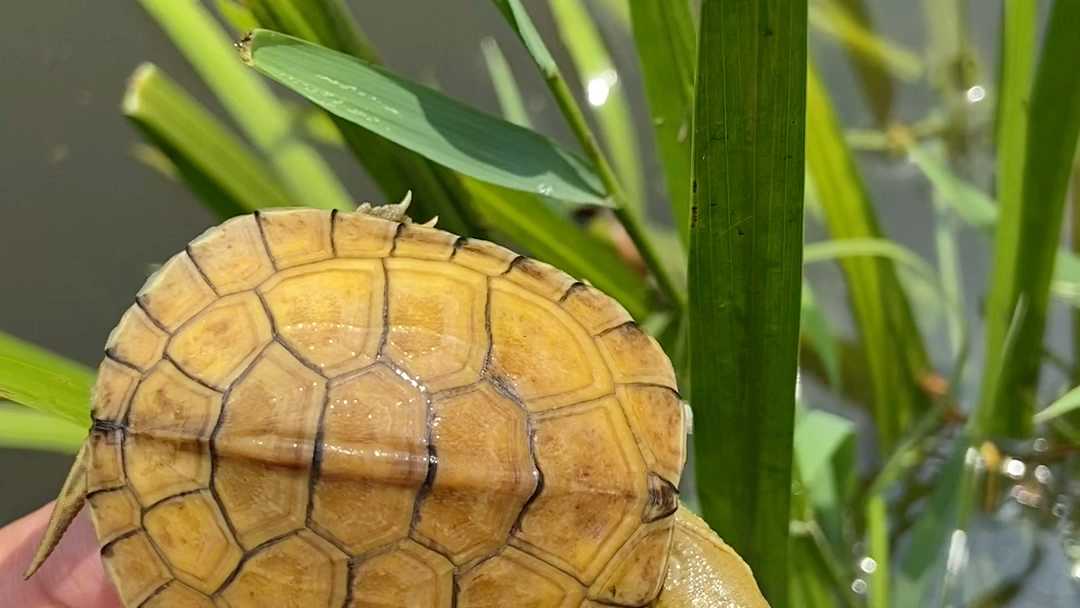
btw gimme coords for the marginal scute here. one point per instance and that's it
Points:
(374, 453)
(484, 257)
(105, 468)
(300, 571)
(634, 576)
(135, 568)
(178, 595)
(543, 354)
(113, 513)
(594, 309)
(436, 322)
(170, 422)
(513, 578)
(656, 416)
(297, 236)
(409, 576)
(136, 340)
(112, 391)
(232, 256)
(329, 312)
(594, 488)
(485, 473)
(220, 343)
(175, 293)
(191, 534)
(265, 446)
(358, 235)
(635, 356)
(423, 243)
(539, 277)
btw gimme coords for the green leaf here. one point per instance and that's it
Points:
(21, 428)
(213, 162)
(518, 19)
(1064, 404)
(424, 120)
(815, 328)
(974, 206)
(1025, 249)
(745, 273)
(665, 39)
(850, 26)
(891, 342)
(436, 190)
(506, 88)
(605, 93)
(37, 378)
(249, 101)
(556, 240)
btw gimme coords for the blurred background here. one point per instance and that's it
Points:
(81, 219)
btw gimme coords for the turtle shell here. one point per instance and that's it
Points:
(309, 409)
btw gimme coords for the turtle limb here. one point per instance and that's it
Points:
(68, 504)
(703, 572)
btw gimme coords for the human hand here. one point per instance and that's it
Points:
(71, 578)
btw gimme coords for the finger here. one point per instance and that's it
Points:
(71, 578)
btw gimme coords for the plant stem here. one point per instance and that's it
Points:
(630, 221)
(827, 558)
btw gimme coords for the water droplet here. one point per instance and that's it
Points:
(545, 189)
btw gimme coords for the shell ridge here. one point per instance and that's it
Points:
(265, 242)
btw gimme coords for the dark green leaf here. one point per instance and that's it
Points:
(424, 120)
(665, 39)
(745, 273)
(37, 378)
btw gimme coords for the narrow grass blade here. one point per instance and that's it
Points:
(506, 88)
(424, 120)
(1064, 404)
(605, 94)
(21, 428)
(1024, 260)
(745, 273)
(815, 329)
(249, 101)
(436, 190)
(891, 342)
(850, 25)
(666, 40)
(37, 378)
(555, 239)
(213, 162)
(239, 17)
(974, 206)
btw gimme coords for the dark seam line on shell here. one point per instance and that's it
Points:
(393, 242)
(569, 290)
(572, 575)
(455, 589)
(319, 531)
(432, 464)
(375, 552)
(273, 541)
(476, 561)
(487, 329)
(266, 243)
(520, 259)
(454, 391)
(651, 500)
(317, 454)
(176, 364)
(266, 311)
(160, 501)
(126, 535)
(110, 354)
(530, 428)
(157, 550)
(156, 592)
(628, 325)
(350, 580)
(500, 387)
(232, 575)
(649, 385)
(202, 273)
(142, 306)
(298, 357)
(333, 231)
(106, 426)
(430, 544)
(384, 336)
(92, 494)
(212, 448)
(460, 242)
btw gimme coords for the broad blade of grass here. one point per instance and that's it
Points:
(424, 120)
(436, 190)
(213, 162)
(249, 101)
(665, 39)
(745, 273)
(890, 338)
(27, 429)
(37, 378)
(545, 234)
(605, 94)
(506, 88)
(1024, 260)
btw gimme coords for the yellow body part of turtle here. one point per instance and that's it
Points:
(310, 409)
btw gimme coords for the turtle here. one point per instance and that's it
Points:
(324, 409)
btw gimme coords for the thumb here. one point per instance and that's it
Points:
(71, 578)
